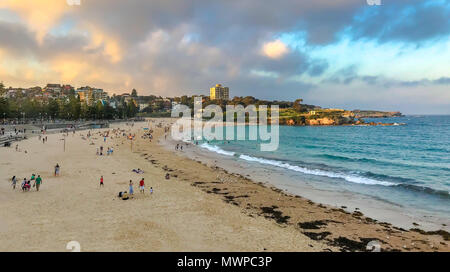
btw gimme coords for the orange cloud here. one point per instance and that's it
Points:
(110, 46)
(275, 49)
(40, 15)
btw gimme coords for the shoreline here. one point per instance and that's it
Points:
(379, 209)
(200, 208)
(215, 161)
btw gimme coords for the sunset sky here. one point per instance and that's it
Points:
(332, 53)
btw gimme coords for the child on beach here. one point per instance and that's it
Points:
(151, 190)
(141, 185)
(101, 181)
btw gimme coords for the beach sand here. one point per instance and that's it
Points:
(200, 208)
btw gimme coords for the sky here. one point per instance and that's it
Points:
(340, 54)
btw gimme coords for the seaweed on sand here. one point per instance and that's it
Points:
(273, 214)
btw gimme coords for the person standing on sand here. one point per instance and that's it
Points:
(131, 187)
(38, 182)
(14, 182)
(142, 186)
(151, 190)
(57, 170)
(101, 181)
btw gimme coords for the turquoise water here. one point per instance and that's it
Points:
(407, 165)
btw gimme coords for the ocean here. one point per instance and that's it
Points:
(406, 165)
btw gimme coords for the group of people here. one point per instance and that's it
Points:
(26, 183)
(148, 135)
(138, 171)
(44, 139)
(109, 151)
(126, 195)
(179, 147)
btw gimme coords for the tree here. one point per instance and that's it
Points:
(131, 110)
(52, 108)
(4, 107)
(134, 93)
(298, 106)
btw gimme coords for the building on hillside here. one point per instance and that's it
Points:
(91, 95)
(219, 92)
(142, 106)
(67, 89)
(113, 104)
(54, 88)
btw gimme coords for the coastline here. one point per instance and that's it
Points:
(201, 207)
(379, 209)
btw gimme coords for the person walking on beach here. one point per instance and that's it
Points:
(151, 190)
(14, 182)
(142, 186)
(131, 187)
(24, 182)
(33, 176)
(101, 181)
(38, 182)
(57, 170)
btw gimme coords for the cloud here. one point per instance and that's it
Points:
(183, 47)
(275, 49)
(105, 43)
(40, 15)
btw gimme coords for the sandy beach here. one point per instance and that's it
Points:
(200, 208)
